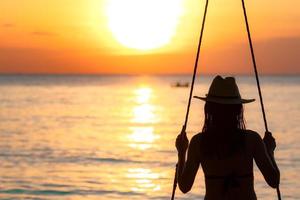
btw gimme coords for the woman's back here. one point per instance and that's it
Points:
(228, 175)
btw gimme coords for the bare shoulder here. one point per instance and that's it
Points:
(253, 139)
(195, 142)
(252, 135)
(195, 147)
(196, 139)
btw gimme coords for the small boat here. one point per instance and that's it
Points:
(179, 84)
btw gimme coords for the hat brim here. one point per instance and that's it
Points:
(225, 100)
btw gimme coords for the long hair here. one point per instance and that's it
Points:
(223, 116)
(224, 121)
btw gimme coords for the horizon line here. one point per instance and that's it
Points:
(143, 74)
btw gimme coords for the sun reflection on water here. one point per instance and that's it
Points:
(143, 180)
(142, 137)
(143, 134)
(143, 94)
(144, 114)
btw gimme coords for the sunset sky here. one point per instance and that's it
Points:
(146, 36)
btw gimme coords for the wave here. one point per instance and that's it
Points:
(42, 158)
(112, 160)
(18, 191)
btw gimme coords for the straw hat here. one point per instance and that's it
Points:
(224, 91)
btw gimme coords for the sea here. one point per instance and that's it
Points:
(87, 137)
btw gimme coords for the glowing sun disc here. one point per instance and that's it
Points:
(143, 24)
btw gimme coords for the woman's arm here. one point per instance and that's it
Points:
(264, 158)
(270, 145)
(187, 169)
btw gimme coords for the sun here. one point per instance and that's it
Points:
(143, 24)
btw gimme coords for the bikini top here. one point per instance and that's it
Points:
(230, 181)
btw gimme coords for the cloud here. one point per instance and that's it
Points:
(39, 60)
(43, 33)
(8, 25)
(274, 56)
(280, 54)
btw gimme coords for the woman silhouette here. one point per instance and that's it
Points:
(225, 149)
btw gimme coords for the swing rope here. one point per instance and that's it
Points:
(193, 82)
(191, 91)
(257, 79)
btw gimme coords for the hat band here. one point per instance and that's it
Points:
(224, 97)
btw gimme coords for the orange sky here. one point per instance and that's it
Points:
(75, 36)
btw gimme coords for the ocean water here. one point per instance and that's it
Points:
(112, 137)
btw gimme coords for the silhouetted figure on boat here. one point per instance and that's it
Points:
(225, 148)
(179, 84)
